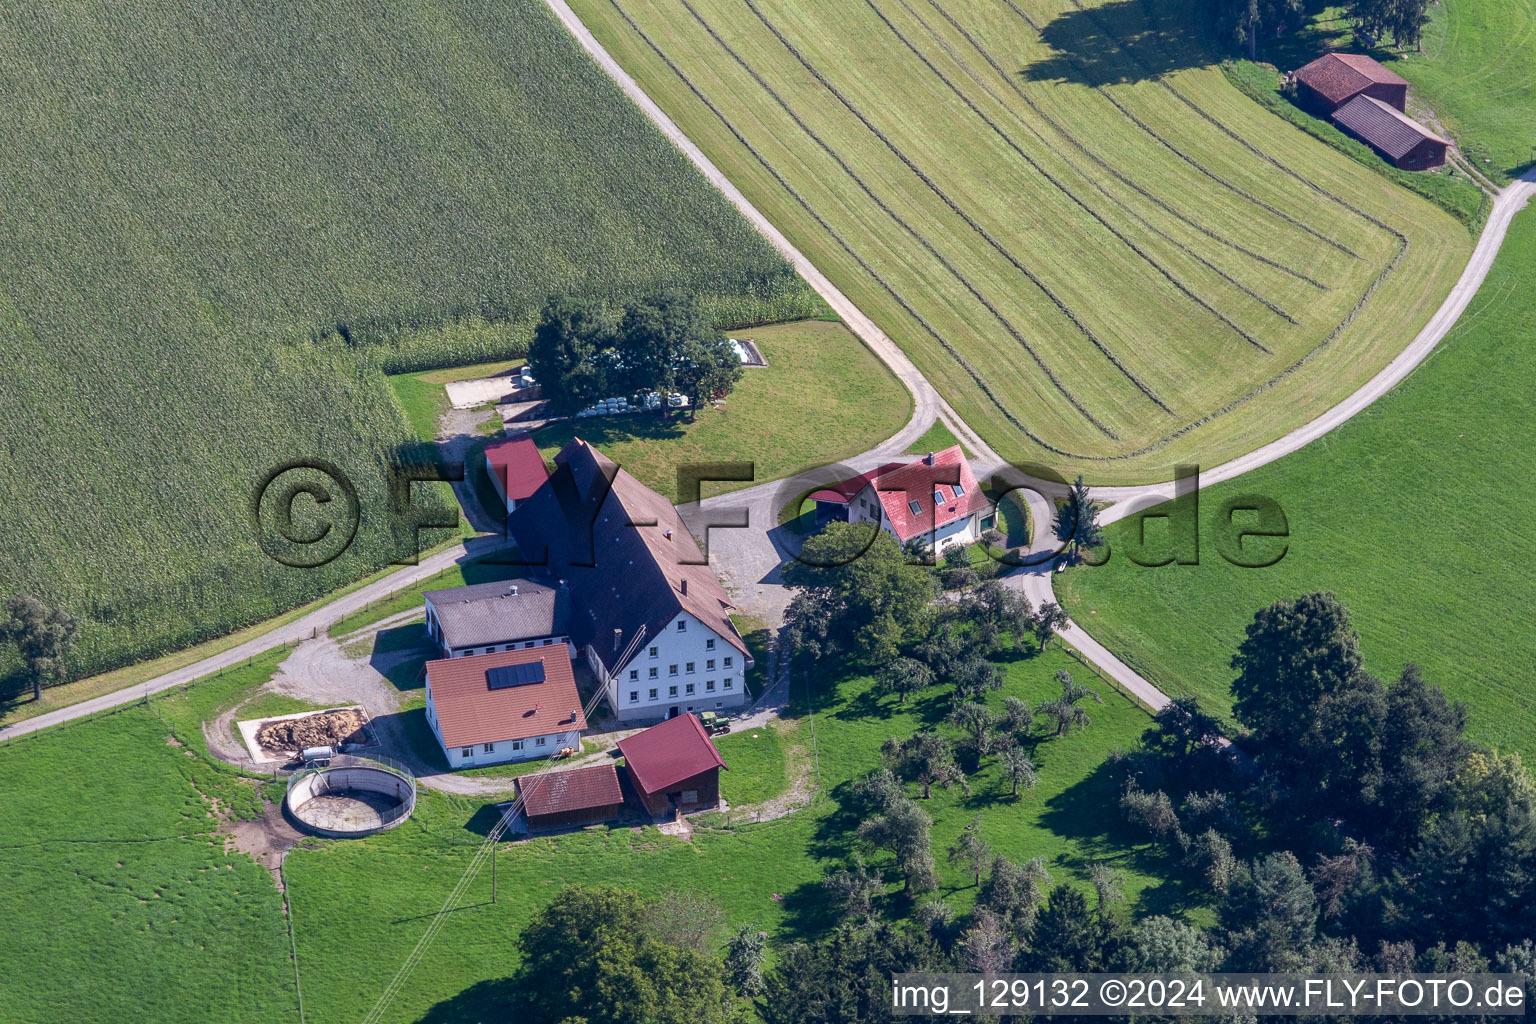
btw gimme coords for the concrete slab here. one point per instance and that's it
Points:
(470, 394)
(262, 755)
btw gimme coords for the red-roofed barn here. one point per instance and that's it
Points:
(581, 796)
(1334, 79)
(1400, 140)
(508, 706)
(674, 767)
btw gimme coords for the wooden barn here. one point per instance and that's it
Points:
(1400, 140)
(673, 767)
(582, 796)
(1334, 79)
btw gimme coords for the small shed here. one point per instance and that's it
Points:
(1334, 79)
(674, 767)
(582, 796)
(1400, 140)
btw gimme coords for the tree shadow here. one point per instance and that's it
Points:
(1120, 42)
(483, 1002)
(808, 913)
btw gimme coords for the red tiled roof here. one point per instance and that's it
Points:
(469, 712)
(893, 481)
(666, 754)
(1338, 76)
(575, 790)
(1383, 126)
(832, 494)
(518, 464)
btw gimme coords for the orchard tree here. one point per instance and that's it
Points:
(1046, 622)
(1019, 769)
(904, 829)
(904, 677)
(927, 759)
(571, 355)
(1013, 891)
(744, 956)
(976, 722)
(971, 851)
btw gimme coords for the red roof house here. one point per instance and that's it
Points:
(509, 706)
(582, 796)
(1336, 78)
(1400, 140)
(674, 767)
(936, 498)
(517, 469)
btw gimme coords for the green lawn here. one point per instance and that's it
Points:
(1103, 254)
(758, 760)
(1416, 513)
(119, 896)
(935, 439)
(823, 396)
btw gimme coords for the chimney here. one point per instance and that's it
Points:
(512, 590)
(928, 458)
(667, 534)
(618, 636)
(685, 587)
(574, 713)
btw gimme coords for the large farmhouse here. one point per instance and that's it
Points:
(908, 501)
(674, 767)
(511, 706)
(647, 612)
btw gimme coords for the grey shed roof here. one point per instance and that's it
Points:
(489, 613)
(1387, 128)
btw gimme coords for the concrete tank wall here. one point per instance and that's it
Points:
(339, 781)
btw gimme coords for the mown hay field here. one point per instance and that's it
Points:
(1104, 255)
(1416, 513)
(225, 220)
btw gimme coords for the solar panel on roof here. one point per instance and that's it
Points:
(514, 675)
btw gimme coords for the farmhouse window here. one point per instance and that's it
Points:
(709, 644)
(652, 692)
(634, 696)
(682, 625)
(671, 670)
(488, 748)
(938, 497)
(517, 744)
(728, 660)
(709, 666)
(709, 685)
(540, 741)
(689, 689)
(466, 752)
(917, 509)
(956, 488)
(634, 674)
(653, 652)
(727, 682)
(653, 672)
(671, 691)
(688, 668)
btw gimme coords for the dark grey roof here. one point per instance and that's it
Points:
(624, 552)
(1385, 127)
(488, 613)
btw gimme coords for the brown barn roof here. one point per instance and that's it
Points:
(1338, 76)
(622, 549)
(666, 754)
(1383, 126)
(577, 790)
(469, 711)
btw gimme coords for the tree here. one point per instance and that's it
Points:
(1108, 885)
(871, 598)
(707, 370)
(944, 649)
(1046, 622)
(855, 890)
(589, 955)
(42, 634)
(927, 759)
(986, 947)
(744, 955)
(1013, 891)
(1067, 709)
(846, 977)
(976, 676)
(997, 608)
(971, 851)
(1017, 716)
(1018, 769)
(1161, 945)
(684, 918)
(1404, 20)
(1182, 730)
(993, 538)
(656, 335)
(1211, 855)
(1269, 912)
(1153, 811)
(904, 830)
(1295, 652)
(1241, 20)
(1077, 520)
(571, 354)
(1068, 937)
(976, 722)
(904, 677)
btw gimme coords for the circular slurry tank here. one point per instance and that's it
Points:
(351, 797)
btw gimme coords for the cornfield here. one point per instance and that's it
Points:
(225, 221)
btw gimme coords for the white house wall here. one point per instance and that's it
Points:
(679, 649)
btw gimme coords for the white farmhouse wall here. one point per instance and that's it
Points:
(677, 659)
